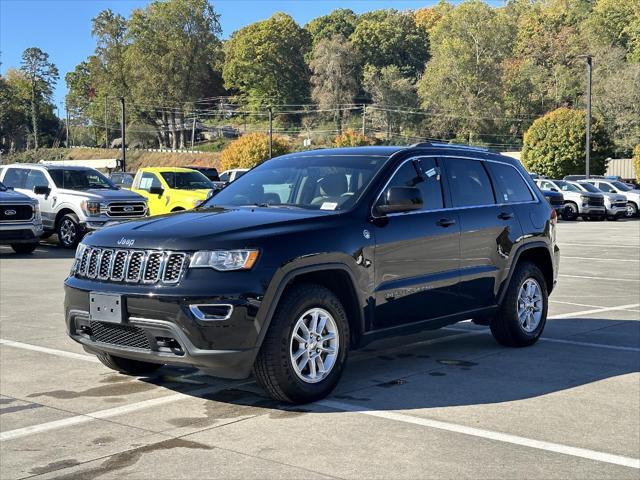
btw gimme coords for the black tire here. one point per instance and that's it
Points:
(69, 231)
(126, 365)
(632, 210)
(506, 327)
(177, 209)
(570, 211)
(273, 367)
(24, 248)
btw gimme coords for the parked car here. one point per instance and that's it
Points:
(20, 220)
(73, 200)
(555, 199)
(589, 206)
(611, 186)
(316, 253)
(229, 176)
(122, 179)
(210, 172)
(171, 189)
(614, 203)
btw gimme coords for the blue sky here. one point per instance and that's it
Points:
(62, 28)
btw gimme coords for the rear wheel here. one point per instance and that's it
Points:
(126, 365)
(570, 211)
(523, 313)
(24, 248)
(305, 350)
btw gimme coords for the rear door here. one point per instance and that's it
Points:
(488, 231)
(416, 253)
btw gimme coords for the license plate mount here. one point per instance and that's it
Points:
(106, 307)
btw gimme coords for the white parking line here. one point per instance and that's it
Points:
(607, 279)
(51, 351)
(595, 310)
(599, 245)
(590, 306)
(489, 434)
(588, 344)
(626, 260)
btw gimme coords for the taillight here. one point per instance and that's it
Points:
(554, 216)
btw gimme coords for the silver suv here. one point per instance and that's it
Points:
(613, 186)
(73, 200)
(20, 221)
(614, 203)
(589, 206)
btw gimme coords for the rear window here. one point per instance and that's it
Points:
(469, 183)
(509, 184)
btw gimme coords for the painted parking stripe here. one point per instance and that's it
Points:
(599, 245)
(589, 344)
(595, 310)
(51, 351)
(591, 306)
(607, 279)
(626, 260)
(488, 434)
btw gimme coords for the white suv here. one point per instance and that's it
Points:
(613, 186)
(577, 203)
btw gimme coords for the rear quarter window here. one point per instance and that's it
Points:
(509, 184)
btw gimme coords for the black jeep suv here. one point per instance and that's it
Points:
(316, 253)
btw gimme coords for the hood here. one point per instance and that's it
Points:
(614, 197)
(103, 194)
(552, 194)
(208, 228)
(10, 195)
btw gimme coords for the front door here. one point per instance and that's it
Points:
(142, 185)
(416, 253)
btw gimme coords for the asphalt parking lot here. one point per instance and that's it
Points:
(442, 404)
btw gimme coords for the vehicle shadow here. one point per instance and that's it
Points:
(426, 371)
(44, 251)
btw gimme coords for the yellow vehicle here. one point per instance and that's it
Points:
(171, 189)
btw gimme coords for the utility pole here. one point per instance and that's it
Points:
(193, 130)
(588, 145)
(270, 131)
(364, 120)
(106, 124)
(123, 128)
(66, 111)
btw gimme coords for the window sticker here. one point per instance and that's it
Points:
(145, 183)
(328, 206)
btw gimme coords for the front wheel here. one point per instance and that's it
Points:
(24, 248)
(126, 365)
(523, 313)
(306, 346)
(69, 232)
(632, 210)
(570, 212)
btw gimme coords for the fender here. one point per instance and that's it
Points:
(527, 246)
(276, 288)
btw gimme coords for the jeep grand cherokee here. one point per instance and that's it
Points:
(313, 254)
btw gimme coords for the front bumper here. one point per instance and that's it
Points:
(617, 211)
(91, 224)
(590, 210)
(18, 232)
(162, 329)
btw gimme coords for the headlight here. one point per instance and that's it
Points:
(224, 260)
(91, 209)
(585, 198)
(37, 215)
(197, 203)
(79, 252)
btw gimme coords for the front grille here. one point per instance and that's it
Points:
(556, 202)
(120, 335)
(15, 213)
(596, 202)
(131, 266)
(126, 209)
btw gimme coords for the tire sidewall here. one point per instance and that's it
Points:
(524, 273)
(570, 212)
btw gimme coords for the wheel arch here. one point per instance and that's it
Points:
(537, 253)
(61, 213)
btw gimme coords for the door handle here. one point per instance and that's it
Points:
(445, 222)
(505, 216)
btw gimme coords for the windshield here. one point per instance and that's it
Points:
(566, 187)
(84, 179)
(331, 182)
(589, 188)
(621, 186)
(187, 180)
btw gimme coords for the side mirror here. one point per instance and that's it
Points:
(401, 199)
(156, 191)
(41, 190)
(554, 189)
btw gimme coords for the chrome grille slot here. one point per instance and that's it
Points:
(126, 209)
(131, 266)
(153, 267)
(173, 267)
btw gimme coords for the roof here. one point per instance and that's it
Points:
(48, 166)
(165, 169)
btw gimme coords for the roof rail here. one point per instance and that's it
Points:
(449, 145)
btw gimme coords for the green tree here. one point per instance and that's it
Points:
(335, 69)
(461, 85)
(250, 150)
(42, 75)
(429, 17)
(265, 63)
(341, 21)
(554, 145)
(13, 118)
(390, 37)
(391, 93)
(636, 161)
(610, 20)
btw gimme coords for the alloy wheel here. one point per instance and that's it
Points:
(314, 345)
(67, 232)
(530, 305)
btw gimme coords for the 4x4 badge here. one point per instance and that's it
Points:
(366, 234)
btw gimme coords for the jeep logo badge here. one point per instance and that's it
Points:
(127, 242)
(128, 209)
(9, 213)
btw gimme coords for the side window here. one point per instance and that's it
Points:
(469, 183)
(547, 186)
(224, 177)
(429, 186)
(15, 177)
(510, 186)
(148, 180)
(35, 178)
(605, 187)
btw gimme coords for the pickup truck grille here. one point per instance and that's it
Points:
(556, 201)
(15, 212)
(126, 209)
(131, 266)
(596, 202)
